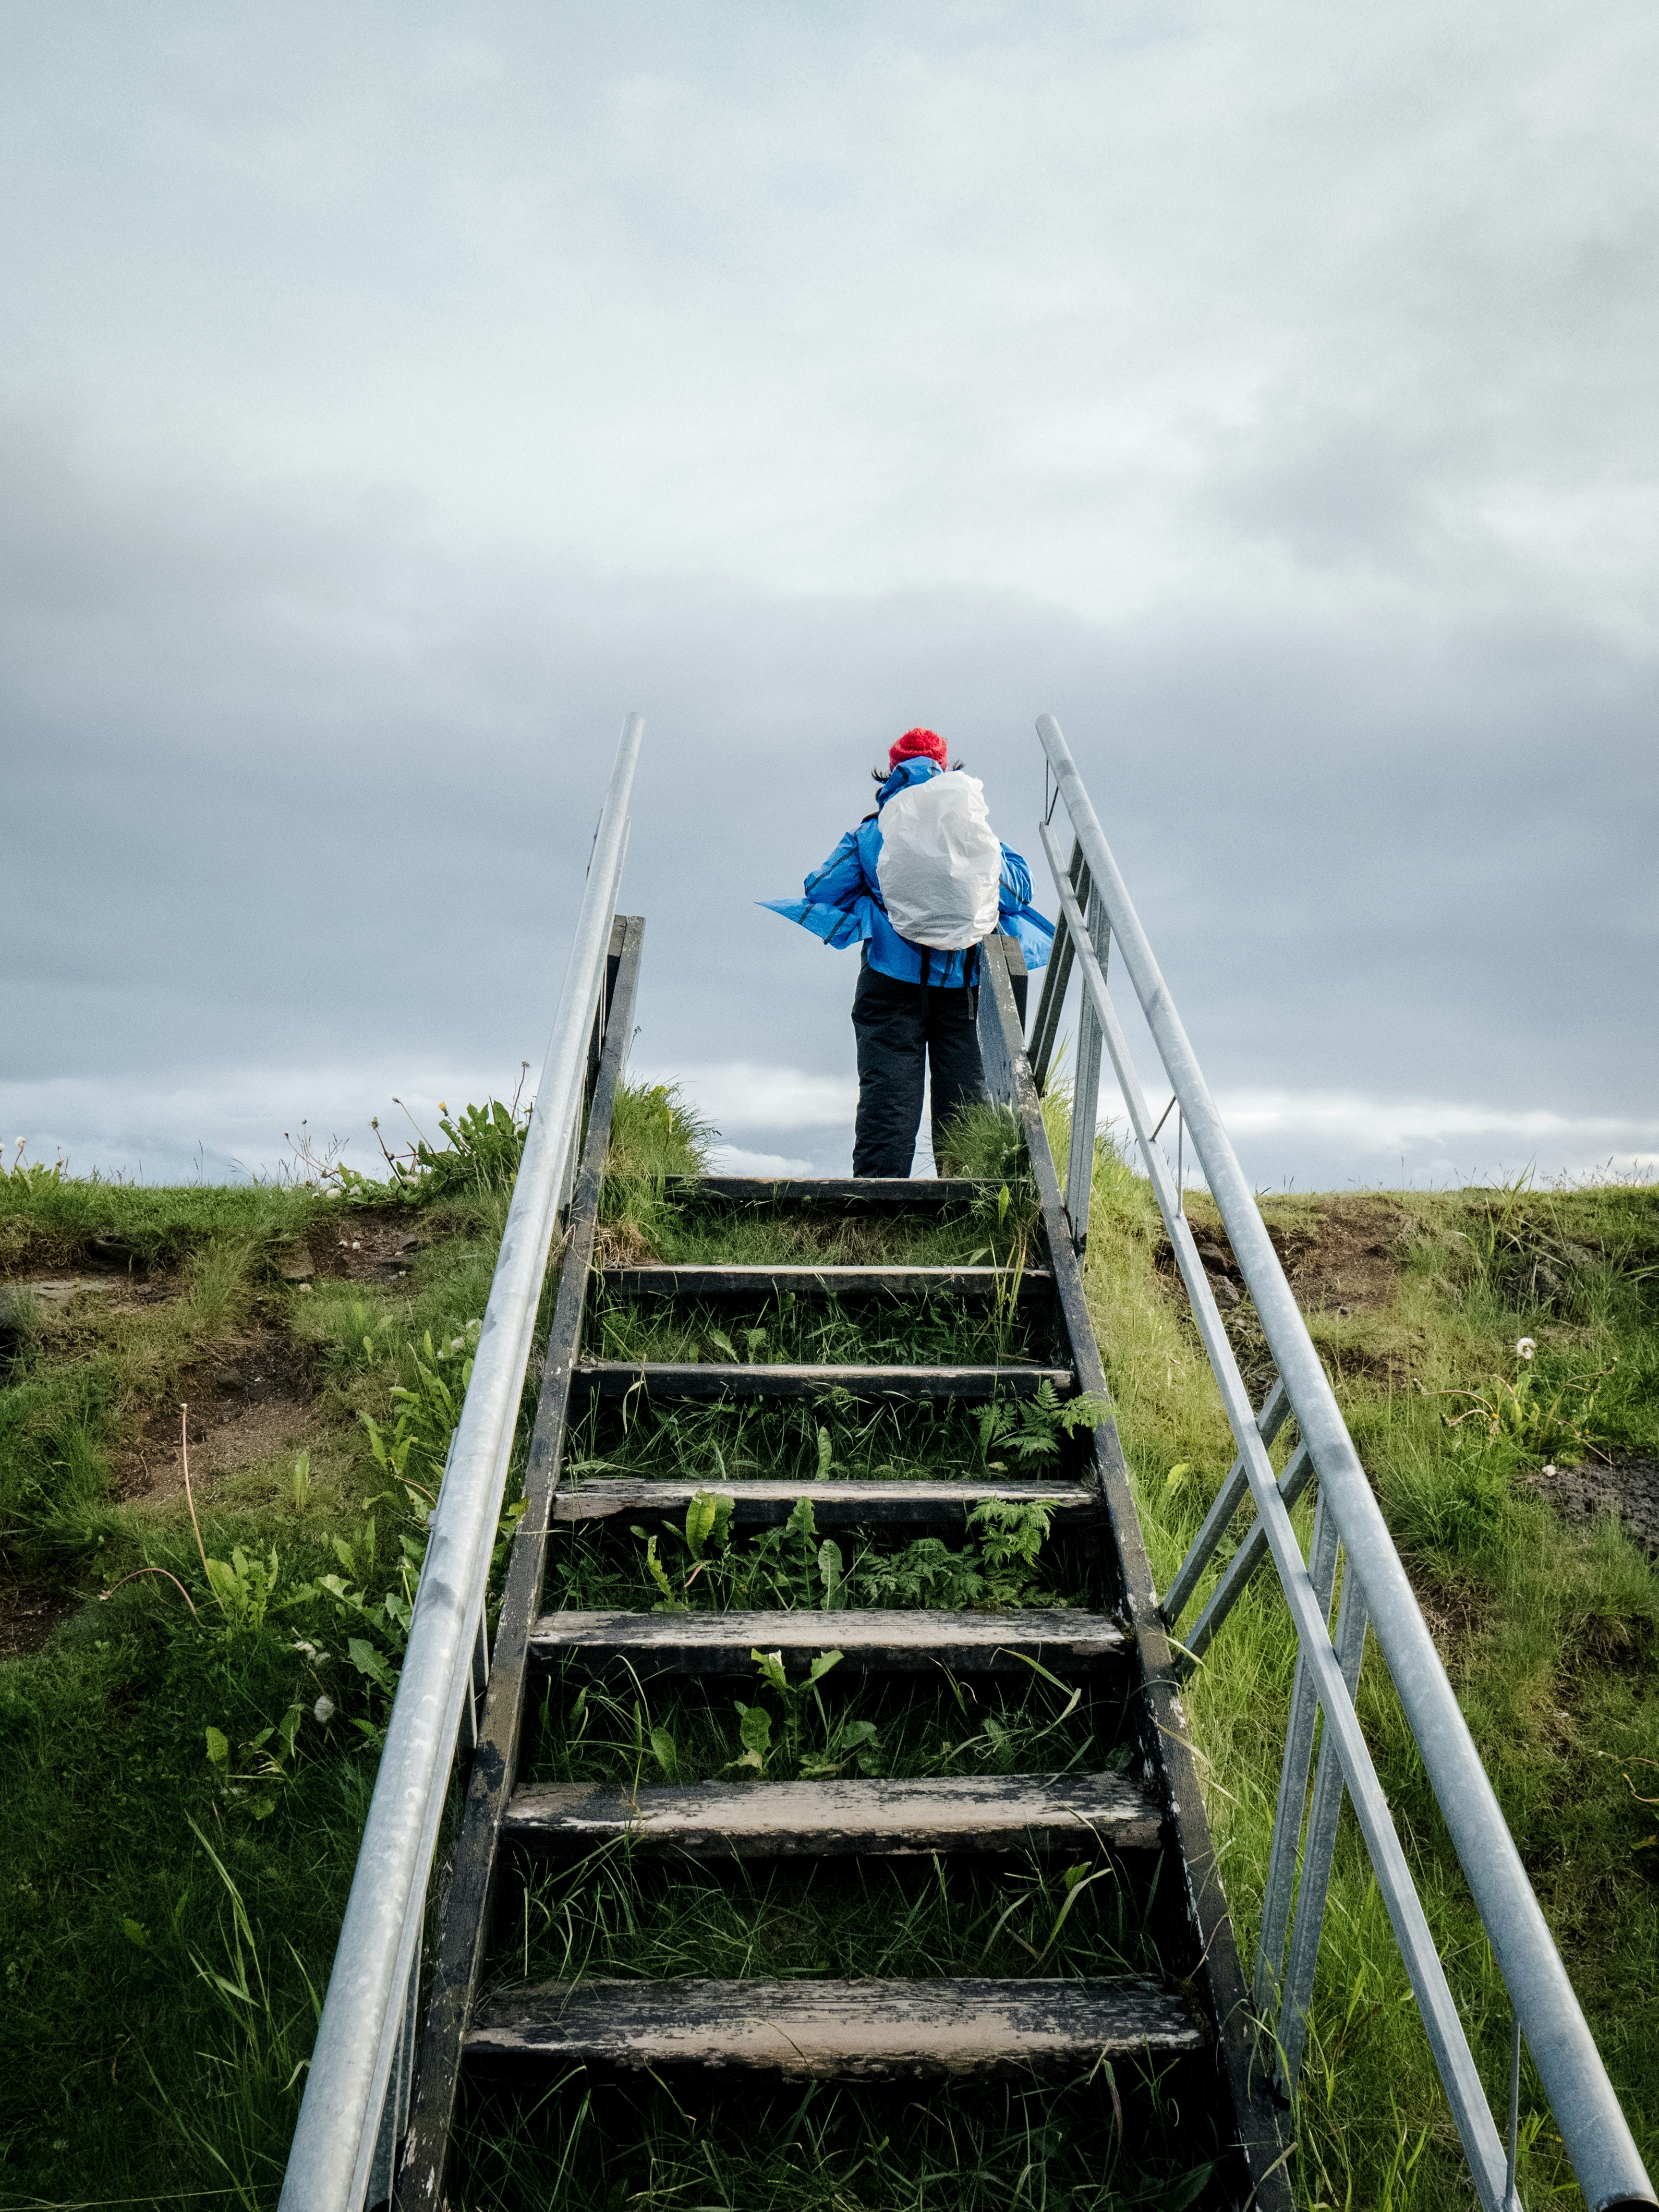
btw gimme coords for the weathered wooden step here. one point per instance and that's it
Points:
(877, 1639)
(697, 1378)
(839, 1818)
(834, 1505)
(846, 1193)
(670, 1279)
(869, 2031)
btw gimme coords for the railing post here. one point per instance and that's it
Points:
(1085, 1089)
(1275, 1408)
(394, 2111)
(1235, 1576)
(1292, 1782)
(1045, 1029)
(1318, 1852)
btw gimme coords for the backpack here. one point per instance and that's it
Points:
(940, 863)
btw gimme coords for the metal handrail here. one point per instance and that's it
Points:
(1375, 1588)
(358, 2085)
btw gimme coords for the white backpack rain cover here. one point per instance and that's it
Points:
(940, 862)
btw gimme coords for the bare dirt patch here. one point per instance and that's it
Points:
(1347, 1256)
(359, 1247)
(254, 1398)
(29, 1613)
(127, 1293)
(1453, 1613)
(1343, 1255)
(1628, 1491)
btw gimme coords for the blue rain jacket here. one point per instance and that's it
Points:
(843, 902)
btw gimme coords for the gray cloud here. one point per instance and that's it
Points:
(392, 400)
(319, 825)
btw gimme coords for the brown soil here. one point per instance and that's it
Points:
(1453, 1614)
(1347, 1256)
(121, 1293)
(29, 1613)
(1628, 1491)
(1344, 1257)
(361, 1248)
(252, 1399)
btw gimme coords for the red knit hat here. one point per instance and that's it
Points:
(927, 743)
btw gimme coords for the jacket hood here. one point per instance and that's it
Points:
(915, 770)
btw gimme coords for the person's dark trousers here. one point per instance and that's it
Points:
(901, 1030)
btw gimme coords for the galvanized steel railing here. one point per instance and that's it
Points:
(1096, 910)
(357, 2091)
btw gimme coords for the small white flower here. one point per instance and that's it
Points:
(323, 1710)
(1525, 1348)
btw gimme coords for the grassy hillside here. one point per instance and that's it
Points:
(189, 1755)
(168, 1914)
(1547, 1621)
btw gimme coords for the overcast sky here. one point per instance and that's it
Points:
(393, 396)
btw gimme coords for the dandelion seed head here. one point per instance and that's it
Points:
(323, 1710)
(1525, 1348)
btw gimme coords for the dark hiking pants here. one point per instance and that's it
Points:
(903, 1030)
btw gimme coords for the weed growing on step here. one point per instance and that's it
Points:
(783, 1748)
(876, 1439)
(646, 1219)
(590, 1730)
(703, 1565)
(1122, 2139)
(834, 1435)
(789, 1327)
(621, 1913)
(1027, 1431)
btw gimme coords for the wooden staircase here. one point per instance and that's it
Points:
(1148, 1816)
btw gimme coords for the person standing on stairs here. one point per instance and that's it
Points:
(918, 884)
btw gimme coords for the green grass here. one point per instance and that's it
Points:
(791, 1326)
(1100, 2146)
(750, 1233)
(1002, 1558)
(618, 1915)
(168, 1921)
(882, 1440)
(688, 1731)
